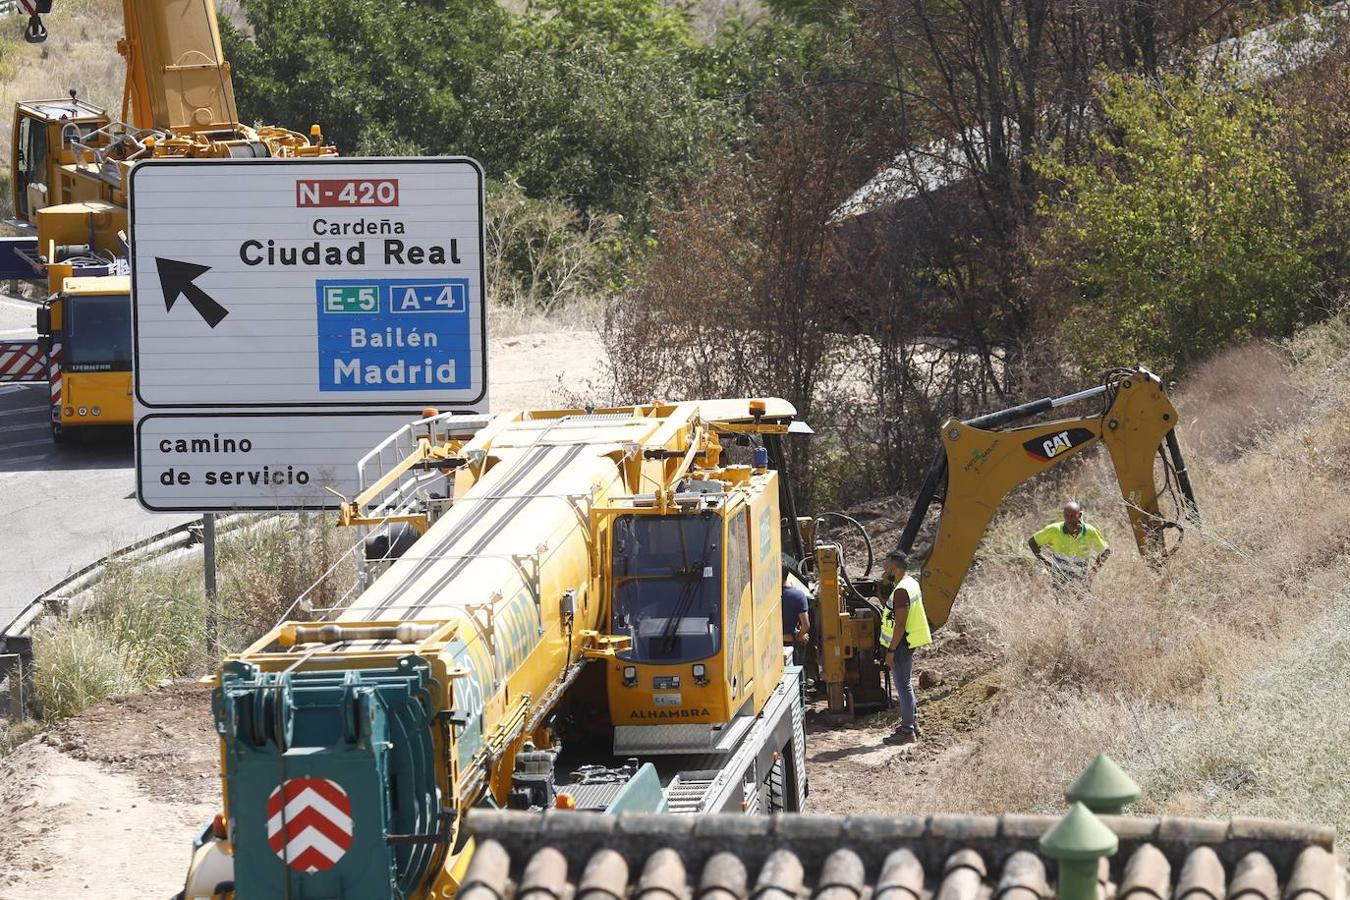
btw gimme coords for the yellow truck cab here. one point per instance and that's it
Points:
(85, 330)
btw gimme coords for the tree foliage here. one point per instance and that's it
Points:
(602, 129)
(1186, 231)
(609, 105)
(379, 77)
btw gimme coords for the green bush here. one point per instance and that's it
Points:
(543, 256)
(601, 129)
(379, 77)
(1185, 233)
(148, 621)
(143, 623)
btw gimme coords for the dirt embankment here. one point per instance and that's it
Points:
(108, 802)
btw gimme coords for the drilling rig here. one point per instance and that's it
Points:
(574, 609)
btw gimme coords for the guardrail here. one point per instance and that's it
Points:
(57, 597)
(16, 647)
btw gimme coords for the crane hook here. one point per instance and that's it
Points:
(36, 32)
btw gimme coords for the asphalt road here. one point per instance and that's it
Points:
(60, 509)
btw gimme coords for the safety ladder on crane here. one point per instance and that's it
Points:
(688, 792)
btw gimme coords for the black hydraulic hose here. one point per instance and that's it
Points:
(1012, 413)
(786, 501)
(871, 558)
(937, 474)
(1183, 477)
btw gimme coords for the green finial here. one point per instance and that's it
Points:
(1103, 787)
(1078, 841)
(1079, 835)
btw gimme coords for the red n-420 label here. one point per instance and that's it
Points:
(346, 192)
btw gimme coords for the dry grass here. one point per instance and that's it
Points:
(80, 53)
(147, 622)
(1151, 661)
(12, 734)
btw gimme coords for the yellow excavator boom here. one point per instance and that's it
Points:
(978, 465)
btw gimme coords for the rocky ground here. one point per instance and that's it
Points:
(107, 803)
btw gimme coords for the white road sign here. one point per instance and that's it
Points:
(258, 461)
(289, 314)
(290, 283)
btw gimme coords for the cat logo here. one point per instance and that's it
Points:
(1044, 449)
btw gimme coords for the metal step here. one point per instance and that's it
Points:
(688, 792)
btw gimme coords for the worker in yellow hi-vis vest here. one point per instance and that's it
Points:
(1073, 544)
(904, 629)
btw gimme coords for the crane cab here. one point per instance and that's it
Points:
(695, 601)
(43, 140)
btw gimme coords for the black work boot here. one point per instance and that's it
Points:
(901, 736)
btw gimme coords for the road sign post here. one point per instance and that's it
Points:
(288, 314)
(209, 567)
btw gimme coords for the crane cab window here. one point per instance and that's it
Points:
(97, 333)
(31, 162)
(668, 586)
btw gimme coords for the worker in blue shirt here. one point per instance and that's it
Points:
(796, 619)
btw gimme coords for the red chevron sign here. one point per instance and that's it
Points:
(317, 817)
(21, 361)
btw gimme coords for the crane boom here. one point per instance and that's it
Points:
(177, 77)
(70, 182)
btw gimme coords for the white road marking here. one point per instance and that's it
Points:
(20, 459)
(26, 409)
(22, 426)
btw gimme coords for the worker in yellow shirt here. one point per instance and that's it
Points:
(904, 629)
(1076, 549)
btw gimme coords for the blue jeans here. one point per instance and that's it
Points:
(902, 673)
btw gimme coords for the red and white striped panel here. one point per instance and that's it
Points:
(54, 377)
(28, 6)
(21, 361)
(317, 829)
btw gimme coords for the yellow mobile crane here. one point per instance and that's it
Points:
(979, 461)
(71, 164)
(576, 609)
